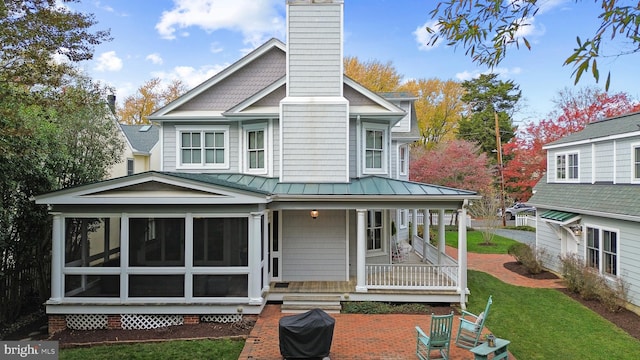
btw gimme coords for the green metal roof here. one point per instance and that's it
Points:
(368, 186)
(559, 216)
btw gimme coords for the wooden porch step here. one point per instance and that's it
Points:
(304, 303)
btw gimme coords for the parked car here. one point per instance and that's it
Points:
(517, 208)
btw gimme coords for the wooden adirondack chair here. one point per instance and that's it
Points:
(437, 344)
(471, 327)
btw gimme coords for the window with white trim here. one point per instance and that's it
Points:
(567, 167)
(403, 219)
(374, 230)
(130, 167)
(635, 156)
(255, 145)
(203, 147)
(602, 250)
(375, 148)
(402, 159)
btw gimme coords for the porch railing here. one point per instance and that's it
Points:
(412, 276)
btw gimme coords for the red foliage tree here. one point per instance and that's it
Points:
(456, 163)
(528, 161)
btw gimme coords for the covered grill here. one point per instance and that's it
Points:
(307, 335)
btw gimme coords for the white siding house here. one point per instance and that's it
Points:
(589, 202)
(277, 176)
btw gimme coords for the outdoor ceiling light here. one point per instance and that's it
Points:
(314, 214)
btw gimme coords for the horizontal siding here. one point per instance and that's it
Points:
(604, 164)
(314, 145)
(314, 250)
(315, 50)
(624, 160)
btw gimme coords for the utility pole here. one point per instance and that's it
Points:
(499, 152)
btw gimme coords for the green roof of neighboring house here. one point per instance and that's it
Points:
(558, 216)
(370, 186)
(619, 200)
(629, 123)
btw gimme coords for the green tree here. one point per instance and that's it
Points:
(486, 96)
(487, 29)
(53, 133)
(34, 32)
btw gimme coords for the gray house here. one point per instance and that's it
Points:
(279, 179)
(589, 203)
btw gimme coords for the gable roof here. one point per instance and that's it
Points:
(142, 138)
(618, 201)
(616, 127)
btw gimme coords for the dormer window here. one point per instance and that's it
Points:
(203, 147)
(635, 170)
(567, 168)
(375, 148)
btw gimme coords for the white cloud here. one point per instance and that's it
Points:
(189, 75)
(108, 61)
(423, 37)
(155, 58)
(256, 20)
(502, 72)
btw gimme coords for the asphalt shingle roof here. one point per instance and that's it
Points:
(613, 126)
(141, 140)
(619, 199)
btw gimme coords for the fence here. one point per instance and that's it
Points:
(524, 219)
(447, 219)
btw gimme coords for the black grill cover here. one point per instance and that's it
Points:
(307, 335)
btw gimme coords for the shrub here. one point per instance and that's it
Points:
(525, 255)
(371, 307)
(615, 296)
(572, 272)
(592, 284)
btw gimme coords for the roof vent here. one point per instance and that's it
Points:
(145, 128)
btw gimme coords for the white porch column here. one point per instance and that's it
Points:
(462, 254)
(265, 250)
(442, 245)
(57, 241)
(414, 221)
(361, 251)
(255, 265)
(426, 224)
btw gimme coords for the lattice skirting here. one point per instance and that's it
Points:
(136, 321)
(221, 318)
(86, 321)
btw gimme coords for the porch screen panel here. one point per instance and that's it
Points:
(92, 242)
(220, 242)
(92, 285)
(220, 285)
(156, 242)
(156, 285)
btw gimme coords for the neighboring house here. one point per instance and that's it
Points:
(142, 150)
(277, 176)
(589, 203)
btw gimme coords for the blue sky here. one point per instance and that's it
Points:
(193, 39)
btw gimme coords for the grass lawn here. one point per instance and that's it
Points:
(178, 349)
(499, 245)
(546, 324)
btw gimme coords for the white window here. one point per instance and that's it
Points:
(202, 147)
(375, 148)
(255, 147)
(567, 167)
(374, 230)
(635, 158)
(402, 159)
(602, 250)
